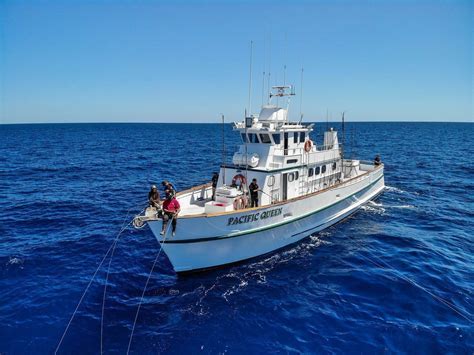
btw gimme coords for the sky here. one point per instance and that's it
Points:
(188, 61)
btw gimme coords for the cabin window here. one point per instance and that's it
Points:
(302, 136)
(243, 137)
(334, 166)
(317, 170)
(297, 175)
(291, 177)
(265, 138)
(295, 138)
(271, 180)
(291, 161)
(276, 138)
(253, 138)
(323, 169)
(310, 172)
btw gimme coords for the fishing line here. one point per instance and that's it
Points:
(107, 276)
(146, 284)
(89, 284)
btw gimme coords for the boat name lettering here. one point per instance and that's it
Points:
(254, 217)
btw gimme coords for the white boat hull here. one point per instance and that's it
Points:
(203, 242)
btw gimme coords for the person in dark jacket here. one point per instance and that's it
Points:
(253, 187)
(377, 160)
(154, 198)
(168, 186)
(215, 179)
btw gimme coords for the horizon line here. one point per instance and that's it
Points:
(209, 122)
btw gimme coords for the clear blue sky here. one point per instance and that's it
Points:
(154, 61)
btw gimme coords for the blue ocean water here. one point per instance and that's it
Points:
(396, 277)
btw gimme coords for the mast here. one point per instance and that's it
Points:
(223, 150)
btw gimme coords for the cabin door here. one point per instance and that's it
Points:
(285, 144)
(284, 186)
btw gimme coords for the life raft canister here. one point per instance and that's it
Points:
(308, 145)
(239, 177)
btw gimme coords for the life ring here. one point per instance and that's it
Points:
(239, 177)
(308, 145)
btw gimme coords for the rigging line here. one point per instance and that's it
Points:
(146, 285)
(87, 288)
(107, 276)
(414, 283)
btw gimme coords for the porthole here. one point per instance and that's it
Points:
(334, 166)
(310, 172)
(271, 180)
(297, 175)
(323, 169)
(317, 170)
(291, 177)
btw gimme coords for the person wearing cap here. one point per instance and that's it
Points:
(154, 198)
(377, 160)
(253, 187)
(168, 186)
(215, 179)
(171, 208)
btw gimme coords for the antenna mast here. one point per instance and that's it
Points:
(250, 79)
(223, 150)
(301, 95)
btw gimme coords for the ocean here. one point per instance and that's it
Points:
(395, 277)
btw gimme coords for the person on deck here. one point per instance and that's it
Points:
(171, 208)
(253, 187)
(169, 186)
(377, 160)
(154, 198)
(215, 179)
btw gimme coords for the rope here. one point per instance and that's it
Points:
(146, 285)
(88, 285)
(107, 275)
(112, 247)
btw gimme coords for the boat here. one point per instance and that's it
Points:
(304, 188)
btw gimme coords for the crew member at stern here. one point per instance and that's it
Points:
(215, 179)
(171, 208)
(253, 187)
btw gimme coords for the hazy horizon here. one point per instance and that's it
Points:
(188, 62)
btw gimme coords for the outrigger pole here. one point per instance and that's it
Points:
(223, 150)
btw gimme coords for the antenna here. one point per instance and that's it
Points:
(250, 80)
(327, 120)
(269, 64)
(343, 137)
(301, 95)
(264, 59)
(223, 150)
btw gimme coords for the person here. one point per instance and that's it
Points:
(154, 198)
(377, 160)
(215, 179)
(171, 208)
(253, 187)
(168, 186)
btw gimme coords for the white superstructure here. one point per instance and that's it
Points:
(304, 188)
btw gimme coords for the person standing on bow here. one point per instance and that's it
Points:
(253, 187)
(171, 208)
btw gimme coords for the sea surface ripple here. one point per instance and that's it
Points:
(395, 277)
